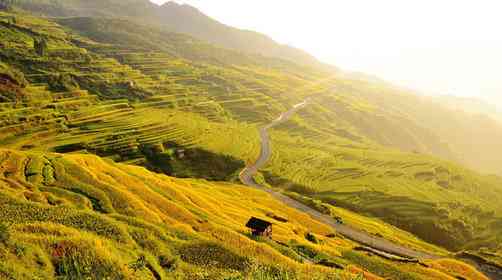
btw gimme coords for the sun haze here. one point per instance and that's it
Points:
(438, 47)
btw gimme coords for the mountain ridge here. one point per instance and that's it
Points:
(470, 105)
(210, 30)
(176, 17)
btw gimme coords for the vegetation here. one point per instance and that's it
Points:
(4, 233)
(41, 47)
(152, 225)
(406, 190)
(151, 103)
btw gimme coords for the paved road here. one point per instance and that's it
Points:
(246, 177)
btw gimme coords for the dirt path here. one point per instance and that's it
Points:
(246, 177)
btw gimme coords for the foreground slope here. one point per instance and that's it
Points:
(74, 216)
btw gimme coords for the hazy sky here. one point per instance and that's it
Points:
(437, 46)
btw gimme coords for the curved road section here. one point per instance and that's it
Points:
(380, 244)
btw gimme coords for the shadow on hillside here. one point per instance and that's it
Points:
(173, 160)
(283, 183)
(454, 226)
(450, 226)
(193, 163)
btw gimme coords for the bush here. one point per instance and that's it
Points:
(311, 237)
(4, 233)
(12, 74)
(139, 264)
(62, 82)
(168, 263)
(19, 250)
(41, 46)
(6, 5)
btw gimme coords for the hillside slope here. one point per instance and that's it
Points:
(470, 105)
(79, 216)
(140, 95)
(175, 17)
(188, 20)
(383, 113)
(358, 108)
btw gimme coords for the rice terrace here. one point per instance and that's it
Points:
(143, 140)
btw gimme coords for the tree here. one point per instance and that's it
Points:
(11, 20)
(7, 4)
(41, 46)
(62, 82)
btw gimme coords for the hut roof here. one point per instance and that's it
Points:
(258, 224)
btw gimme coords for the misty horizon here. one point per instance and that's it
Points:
(446, 55)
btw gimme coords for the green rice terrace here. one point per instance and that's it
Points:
(102, 118)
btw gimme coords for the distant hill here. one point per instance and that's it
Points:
(470, 105)
(189, 20)
(179, 18)
(96, 8)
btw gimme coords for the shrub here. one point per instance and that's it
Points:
(62, 82)
(312, 238)
(41, 45)
(4, 233)
(19, 250)
(305, 251)
(6, 4)
(14, 75)
(168, 263)
(138, 264)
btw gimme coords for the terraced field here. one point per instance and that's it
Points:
(177, 106)
(393, 186)
(119, 129)
(70, 214)
(162, 82)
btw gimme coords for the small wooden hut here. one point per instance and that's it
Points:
(260, 227)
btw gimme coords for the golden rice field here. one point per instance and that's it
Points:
(70, 215)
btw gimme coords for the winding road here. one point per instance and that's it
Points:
(380, 244)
